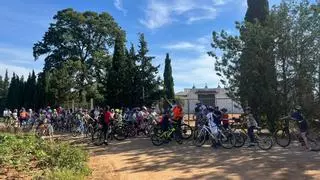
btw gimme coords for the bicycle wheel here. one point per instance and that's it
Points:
(156, 139)
(313, 141)
(98, 137)
(282, 137)
(227, 140)
(240, 139)
(199, 137)
(75, 132)
(264, 143)
(186, 131)
(119, 133)
(130, 131)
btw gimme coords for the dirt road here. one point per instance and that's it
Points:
(139, 159)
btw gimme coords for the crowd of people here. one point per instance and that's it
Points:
(215, 117)
(212, 116)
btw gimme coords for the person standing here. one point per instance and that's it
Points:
(106, 123)
(177, 118)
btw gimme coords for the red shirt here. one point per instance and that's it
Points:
(107, 117)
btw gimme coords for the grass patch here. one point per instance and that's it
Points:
(27, 154)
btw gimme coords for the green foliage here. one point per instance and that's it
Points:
(64, 174)
(257, 10)
(274, 64)
(27, 153)
(4, 87)
(78, 37)
(168, 79)
(78, 66)
(118, 75)
(147, 84)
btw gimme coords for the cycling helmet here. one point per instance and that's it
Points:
(144, 108)
(298, 108)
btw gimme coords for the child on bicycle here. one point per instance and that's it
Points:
(302, 123)
(211, 121)
(251, 124)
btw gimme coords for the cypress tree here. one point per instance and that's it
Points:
(130, 89)
(168, 79)
(116, 78)
(148, 84)
(257, 10)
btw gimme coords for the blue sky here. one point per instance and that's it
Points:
(180, 27)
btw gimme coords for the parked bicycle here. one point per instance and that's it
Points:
(224, 137)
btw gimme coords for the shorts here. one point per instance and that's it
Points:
(303, 126)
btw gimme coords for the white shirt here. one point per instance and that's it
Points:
(6, 113)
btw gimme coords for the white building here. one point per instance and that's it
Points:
(208, 96)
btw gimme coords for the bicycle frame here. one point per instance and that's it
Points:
(206, 129)
(168, 133)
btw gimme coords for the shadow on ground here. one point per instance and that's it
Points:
(138, 157)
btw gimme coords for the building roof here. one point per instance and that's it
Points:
(182, 93)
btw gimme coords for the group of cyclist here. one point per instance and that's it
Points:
(213, 116)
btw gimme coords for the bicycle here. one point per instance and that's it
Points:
(224, 137)
(283, 137)
(160, 137)
(264, 143)
(114, 132)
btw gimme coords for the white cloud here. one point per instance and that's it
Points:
(198, 71)
(200, 45)
(18, 60)
(119, 5)
(19, 70)
(188, 70)
(157, 15)
(210, 13)
(160, 13)
(220, 2)
(185, 46)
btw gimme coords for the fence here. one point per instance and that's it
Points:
(75, 104)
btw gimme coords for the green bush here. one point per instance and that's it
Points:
(26, 152)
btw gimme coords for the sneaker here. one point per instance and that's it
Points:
(106, 142)
(251, 145)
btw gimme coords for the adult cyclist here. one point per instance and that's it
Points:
(302, 124)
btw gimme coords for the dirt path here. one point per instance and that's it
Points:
(139, 159)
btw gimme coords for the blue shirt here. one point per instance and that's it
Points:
(297, 116)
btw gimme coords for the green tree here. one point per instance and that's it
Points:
(4, 87)
(13, 94)
(257, 10)
(131, 77)
(168, 79)
(117, 77)
(147, 82)
(77, 36)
